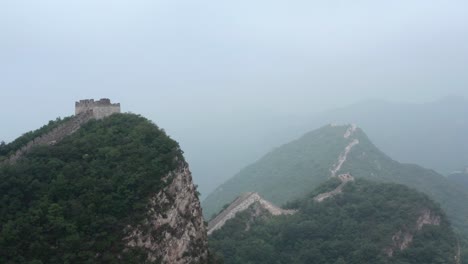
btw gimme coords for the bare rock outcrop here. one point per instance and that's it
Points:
(174, 231)
(403, 238)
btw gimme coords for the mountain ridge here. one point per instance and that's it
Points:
(242, 203)
(368, 222)
(291, 170)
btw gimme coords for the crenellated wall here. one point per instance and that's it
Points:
(100, 109)
(344, 178)
(54, 136)
(241, 204)
(85, 110)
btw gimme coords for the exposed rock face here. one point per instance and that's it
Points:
(241, 204)
(174, 231)
(427, 218)
(402, 239)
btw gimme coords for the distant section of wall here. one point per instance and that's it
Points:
(241, 204)
(344, 178)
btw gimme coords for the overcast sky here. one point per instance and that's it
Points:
(192, 65)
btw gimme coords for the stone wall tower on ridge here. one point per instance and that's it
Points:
(100, 109)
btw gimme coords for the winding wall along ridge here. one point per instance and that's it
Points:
(52, 137)
(241, 204)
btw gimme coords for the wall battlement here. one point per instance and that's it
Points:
(241, 204)
(100, 109)
(52, 137)
(85, 110)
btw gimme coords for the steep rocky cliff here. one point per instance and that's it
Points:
(404, 237)
(174, 231)
(114, 190)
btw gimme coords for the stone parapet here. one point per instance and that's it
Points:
(100, 109)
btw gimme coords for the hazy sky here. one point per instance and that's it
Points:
(198, 68)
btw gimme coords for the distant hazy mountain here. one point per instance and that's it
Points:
(365, 223)
(460, 178)
(432, 135)
(294, 169)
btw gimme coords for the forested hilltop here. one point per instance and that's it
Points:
(366, 223)
(286, 173)
(91, 197)
(289, 172)
(432, 135)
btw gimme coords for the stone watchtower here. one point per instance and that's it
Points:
(100, 109)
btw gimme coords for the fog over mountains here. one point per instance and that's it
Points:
(238, 74)
(230, 82)
(429, 134)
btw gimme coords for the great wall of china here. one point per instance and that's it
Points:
(400, 241)
(244, 201)
(241, 204)
(85, 110)
(346, 177)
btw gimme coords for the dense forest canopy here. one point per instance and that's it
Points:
(71, 202)
(354, 227)
(292, 170)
